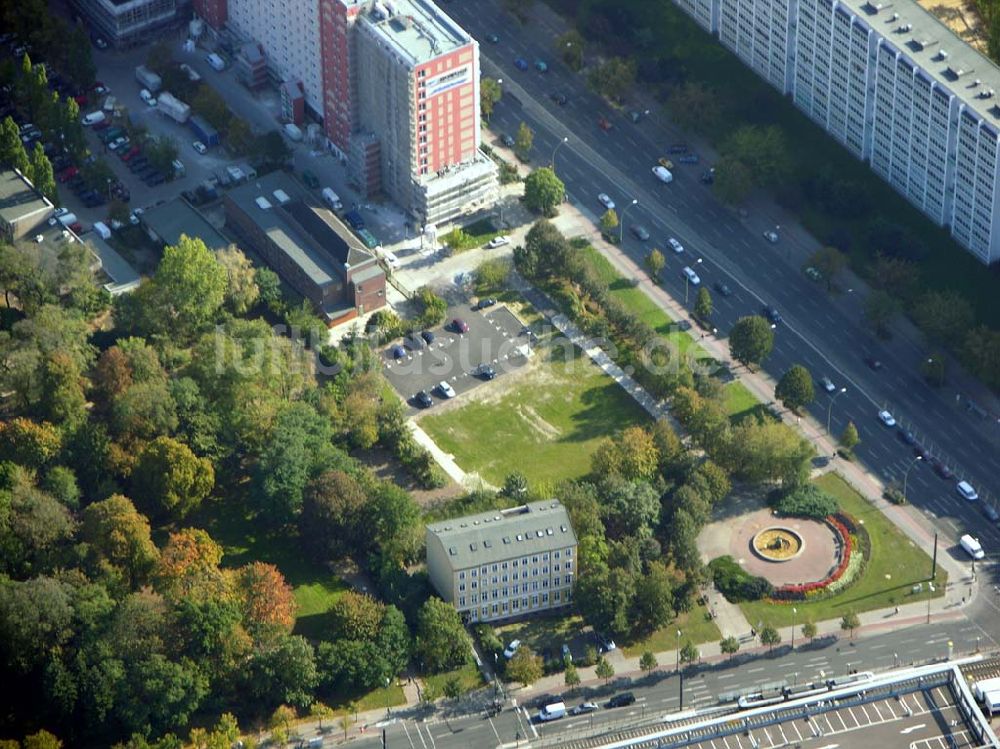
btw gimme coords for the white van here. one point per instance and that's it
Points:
(332, 199)
(93, 118)
(217, 63)
(663, 174)
(102, 230)
(554, 711)
(972, 546)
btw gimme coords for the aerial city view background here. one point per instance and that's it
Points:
(499, 373)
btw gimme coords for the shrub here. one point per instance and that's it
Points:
(735, 583)
(807, 501)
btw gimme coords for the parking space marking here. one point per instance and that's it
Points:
(874, 707)
(867, 716)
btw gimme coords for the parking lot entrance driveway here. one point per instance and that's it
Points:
(495, 337)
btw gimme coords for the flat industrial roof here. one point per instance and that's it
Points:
(19, 199)
(175, 217)
(417, 29)
(935, 48)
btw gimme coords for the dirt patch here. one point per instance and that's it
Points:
(384, 465)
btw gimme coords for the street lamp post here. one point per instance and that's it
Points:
(906, 473)
(621, 224)
(559, 145)
(829, 410)
(680, 695)
(686, 282)
(387, 711)
(794, 612)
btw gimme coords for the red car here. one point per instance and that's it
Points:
(603, 123)
(76, 227)
(102, 125)
(67, 174)
(81, 100)
(131, 153)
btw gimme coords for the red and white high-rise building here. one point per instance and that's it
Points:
(399, 94)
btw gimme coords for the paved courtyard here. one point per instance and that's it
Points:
(733, 533)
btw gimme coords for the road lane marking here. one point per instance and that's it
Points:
(911, 729)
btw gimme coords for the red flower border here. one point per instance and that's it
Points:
(798, 592)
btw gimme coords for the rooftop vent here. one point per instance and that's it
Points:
(281, 196)
(473, 546)
(548, 531)
(942, 54)
(487, 544)
(506, 539)
(539, 534)
(475, 522)
(986, 94)
(520, 537)
(894, 17)
(902, 29)
(562, 528)
(956, 72)
(262, 203)
(453, 551)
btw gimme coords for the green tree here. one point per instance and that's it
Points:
(763, 151)
(118, 537)
(239, 137)
(934, 368)
(270, 147)
(432, 308)
(729, 645)
(695, 107)
(630, 508)
(453, 687)
(571, 676)
(12, 151)
(632, 455)
(604, 669)
(269, 286)
(655, 263)
(830, 262)
(850, 622)
(490, 92)
(609, 221)
(333, 521)
(769, 636)
(523, 141)
(242, 292)
(647, 662)
(795, 388)
(41, 740)
(604, 597)
(653, 605)
(849, 437)
(441, 641)
(209, 104)
(703, 304)
(751, 340)
(283, 672)
(689, 653)
(170, 479)
(320, 712)
(162, 152)
(62, 382)
(41, 174)
(943, 316)
(543, 191)
(189, 286)
(733, 180)
(880, 310)
(614, 78)
(525, 667)
(571, 46)
(809, 631)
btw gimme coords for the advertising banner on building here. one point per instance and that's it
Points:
(448, 80)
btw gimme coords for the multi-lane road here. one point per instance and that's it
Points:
(462, 727)
(819, 331)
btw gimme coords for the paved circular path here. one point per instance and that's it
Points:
(818, 560)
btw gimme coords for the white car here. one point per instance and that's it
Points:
(391, 260)
(498, 242)
(675, 245)
(691, 276)
(584, 707)
(967, 491)
(771, 236)
(827, 384)
(199, 146)
(663, 174)
(886, 418)
(118, 143)
(606, 201)
(511, 649)
(147, 97)
(445, 389)
(59, 212)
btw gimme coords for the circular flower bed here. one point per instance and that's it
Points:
(800, 592)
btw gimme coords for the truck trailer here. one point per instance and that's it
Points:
(174, 107)
(204, 132)
(148, 79)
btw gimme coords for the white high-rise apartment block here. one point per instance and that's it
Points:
(289, 32)
(891, 83)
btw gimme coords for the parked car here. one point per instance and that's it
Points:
(690, 275)
(678, 148)
(689, 158)
(941, 469)
(498, 242)
(423, 399)
(511, 649)
(722, 288)
(397, 352)
(966, 491)
(771, 236)
(606, 201)
(906, 437)
(485, 371)
(676, 246)
(622, 700)
(308, 177)
(493, 38)
(583, 708)
(827, 384)
(200, 148)
(459, 325)
(665, 162)
(154, 179)
(427, 336)
(485, 303)
(541, 66)
(772, 314)
(604, 644)
(640, 232)
(567, 656)
(521, 64)
(886, 418)
(446, 390)
(559, 98)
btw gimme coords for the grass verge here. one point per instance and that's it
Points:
(896, 565)
(468, 676)
(695, 627)
(548, 428)
(474, 235)
(376, 698)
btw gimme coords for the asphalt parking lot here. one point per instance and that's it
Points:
(494, 337)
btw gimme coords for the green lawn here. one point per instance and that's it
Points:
(474, 235)
(246, 539)
(740, 402)
(547, 427)
(637, 302)
(469, 676)
(377, 699)
(896, 564)
(695, 627)
(548, 633)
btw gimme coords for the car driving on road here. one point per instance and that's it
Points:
(676, 246)
(606, 201)
(886, 418)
